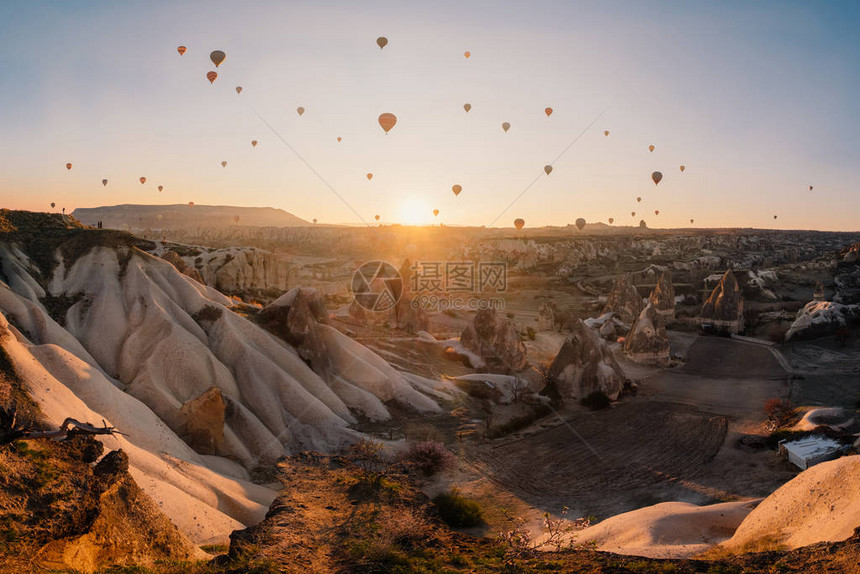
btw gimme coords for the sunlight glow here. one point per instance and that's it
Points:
(414, 211)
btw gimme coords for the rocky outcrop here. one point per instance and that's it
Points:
(545, 318)
(648, 342)
(609, 326)
(496, 340)
(204, 421)
(822, 318)
(181, 266)
(662, 297)
(624, 300)
(818, 294)
(724, 308)
(585, 364)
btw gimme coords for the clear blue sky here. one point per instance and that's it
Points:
(758, 100)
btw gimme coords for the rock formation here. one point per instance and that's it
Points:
(545, 318)
(496, 340)
(662, 297)
(181, 266)
(821, 318)
(204, 421)
(648, 342)
(609, 326)
(624, 300)
(585, 364)
(724, 308)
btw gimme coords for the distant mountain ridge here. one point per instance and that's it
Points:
(184, 215)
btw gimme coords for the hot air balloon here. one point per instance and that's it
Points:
(467, 53)
(682, 168)
(606, 132)
(338, 139)
(211, 76)
(691, 221)
(300, 110)
(181, 50)
(547, 111)
(611, 220)
(315, 219)
(376, 217)
(457, 189)
(104, 182)
(547, 169)
(387, 121)
(142, 180)
(382, 41)
(223, 164)
(651, 148)
(656, 212)
(506, 126)
(435, 212)
(217, 56)
(773, 216)
(519, 223)
(639, 200)
(238, 89)
(369, 176)
(580, 223)
(810, 188)
(160, 188)
(68, 166)
(236, 219)
(253, 143)
(656, 176)
(467, 107)
(190, 204)
(53, 205)
(632, 214)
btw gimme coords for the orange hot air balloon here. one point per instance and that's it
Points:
(376, 217)
(611, 220)
(547, 169)
(142, 180)
(435, 212)
(338, 139)
(467, 107)
(656, 212)
(650, 148)
(467, 53)
(519, 223)
(223, 164)
(606, 132)
(457, 189)
(580, 223)
(632, 214)
(682, 168)
(217, 56)
(656, 176)
(382, 41)
(387, 121)
(300, 110)
(369, 176)
(639, 200)
(181, 50)
(506, 126)
(238, 89)
(253, 143)
(190, 204)
(211, 77)
(548, 112)
(104, 182)
(68, 166)
(160, 188)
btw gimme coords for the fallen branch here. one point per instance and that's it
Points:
(72, 426)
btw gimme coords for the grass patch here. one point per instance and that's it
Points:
(458, 511)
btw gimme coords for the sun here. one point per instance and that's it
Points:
(414, 211)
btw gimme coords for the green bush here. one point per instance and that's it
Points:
(458, 511)
(596, 401)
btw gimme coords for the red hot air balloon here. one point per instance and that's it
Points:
(211, 76)
(519, 223)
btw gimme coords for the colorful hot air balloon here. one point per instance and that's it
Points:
(68, 166)
(467, 107)
(547, 111)
(160, 188)
(457, 189)
(253, 143)
(300, 110)
(656, 176)
(387, 121)
(223, 164)
(682, 168)
(547, 169)
(238, 89)
(519, 223)
(506, 126)
(369, 176)
(104, 182)
(181, 50)
(435, 212)
(382, 41)
(651, 148)
(656, 212)
(467, 53)
(142, 180)
(606, 132)
(580, 223)
(638, 200)
(338, 139)
(376, 217)
(611, 220)
(217, 56)
(211, 76)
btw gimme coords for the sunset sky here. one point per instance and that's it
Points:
(759, 100)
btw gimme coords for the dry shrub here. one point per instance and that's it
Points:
(430, 457)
